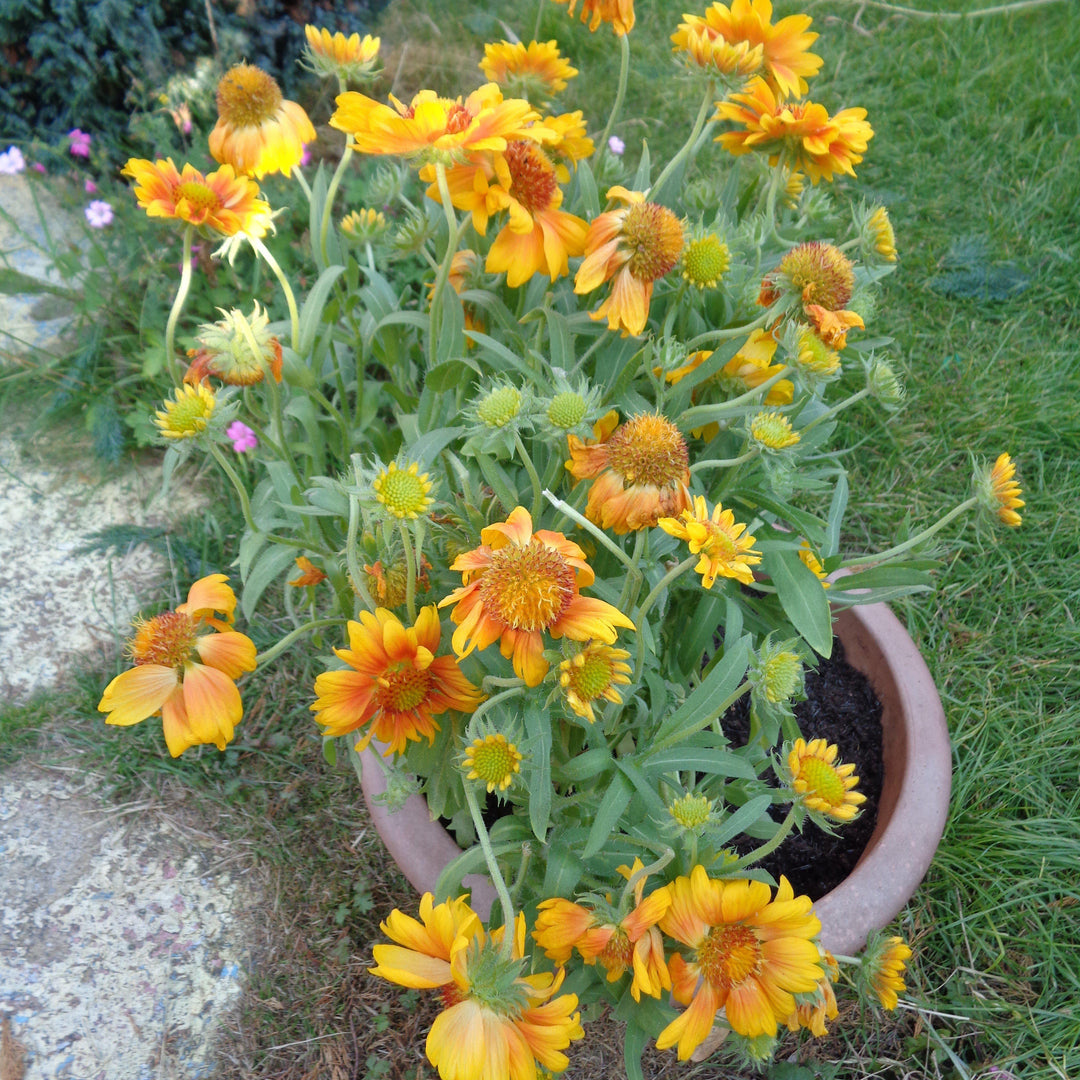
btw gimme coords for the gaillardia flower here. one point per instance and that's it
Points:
(258, 131)
(310, 574)
(221, 200)
(746, 952)
(346, 58)
(593, 675)
(238, 349)
(395, 684)
(631, 246)
(186, 664)
(532, 71)
(496, 1024)
(493, 760)
(752, 365)
(519, 585)
(780, 49)
(815, 142)
(882, 968)
(187, 414)
(640, 471)
(999, 491)
(811, 1011)
(618, 14)
(821, 784)
(808, 557)
(718, 538)
(405, 493)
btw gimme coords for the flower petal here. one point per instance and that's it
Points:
(137, 693)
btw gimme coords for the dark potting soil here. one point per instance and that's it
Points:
(842, 708)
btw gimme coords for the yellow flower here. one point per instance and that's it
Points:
(816, 143)
(814, 356)
(567, 141)
(745, 27)
(1001, 491)
(364, 225)
(433, 127)
(519, 585)
(238, 349)
(403, 492)
(772, 431)
(258, 131)
(335, 54)
(704, 262)
(883, 966)
(810, 560)
(184, 672)
(395, 684)
(812, 1012)
(496, 1024)
(748, 953)
(640, 471)
(752, 365)
(494, 760)
(532, 71)
(821, 784)
(880, 234)
(188, 414)
(221, 200)
(718, 539)
(619, 14)
(310, 574)
(593, 674)
(631, 246)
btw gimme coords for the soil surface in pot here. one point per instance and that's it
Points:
(842, 708)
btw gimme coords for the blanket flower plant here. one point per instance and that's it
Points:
(592, 422)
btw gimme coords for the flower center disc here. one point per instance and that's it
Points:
(168, 640)
(728, 955)
(403, 493)
(649, 450)
(531, 175)
(198, 195)
(822, 780)
(618, 953)
(247, 96)
(654, 236)
(402, 690)
(527, 588)
(591, 679)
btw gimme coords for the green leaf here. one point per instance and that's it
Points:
(451, 375)
(698, 633)
(538, 772)
(468, 862)
(268, 567)
(648, 793)
(586, 185)
(564, 868)
(800, 593)
(644, 172)
(586, 766)
(427, 448)
(741, 820)
(329, 751)
(831, 544)
(701, 759)
(451, 343)
(616, 799)
(312, 312)
(502, 355)
(560, 340)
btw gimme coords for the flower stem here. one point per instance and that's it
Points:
(279, 647)
(725, 463)
(177, 307)
(688, 146)
(484, 706)
(620, 92)
(350, 543)
(727, 333)
(588, 526)
(698, 415)
(328, 206)
(644, 872)
(530, 468)
(410, 573)
(453, 236)
(492, 864)
(912, 541)
(828, 414)
(657, 589)
(769, 846)
(286, 288)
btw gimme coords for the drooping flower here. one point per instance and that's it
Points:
(405, 493)
(816, 143)
(811, 1011)
(187, 414)
(752, 365)
(618, 943)
(999, 491)
(618, 14)
(593, 675)
(238, 349)
(346, 58)
(395, 685)
(631, 246)
(519, 585)
(567, 142)
(12, 161)
(535, 71)
(814, 357)
(493, 760)
(815, 273)
(880, 236)
(436, 128)
(258, 131)
(821, 784)
(726, 549)
(781, 48)
(186, 664)
(748, 953)
(389, 584)
(98, 214)
(497, 1024)
(310, 574)
(221, 200)
(882, 968)
(710, 51)
(640, 471)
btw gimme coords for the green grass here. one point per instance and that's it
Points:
(977, 150)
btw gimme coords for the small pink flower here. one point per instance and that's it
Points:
(305, 157)
(616, 145)
(90, 187)
(38, 167)
(12, 161)
(243, 438)
(80, 143)
(98, 214)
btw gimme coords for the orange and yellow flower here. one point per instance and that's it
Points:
(808, 557)
(395, 684)
(815, 142)
(752, 365)
(593, 675)
(746, 28)
(1004, 491)
(632, 942)
(221, 200)
(347, 58)
(438, 128)
(532, 71)
(186, 664)
(883, 968)
(258, 130)
(310, 574)
(811, 1012)
(519, 585)
(496, 1024)
(747, 953)
(821, 784)
(618, 14)
(631, 246)
(718, 538)
(640, 471)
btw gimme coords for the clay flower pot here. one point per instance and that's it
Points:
(911, 815)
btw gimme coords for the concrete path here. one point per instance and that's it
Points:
(122, 937)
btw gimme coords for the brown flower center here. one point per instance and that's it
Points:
(649, 449)
(618, 953)
(532, 179)
(168, 640)
(821, 273)
(458, 119)
(654, 236)
(401, 691)
(247, 96)
(728, 955)
(198, 195)
(527, 588)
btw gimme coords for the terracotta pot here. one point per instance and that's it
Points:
(911, 815)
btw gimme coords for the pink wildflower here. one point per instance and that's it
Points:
(90, 187)
(242, 436)
(616, 145)
(80, 143)
(99, 214)
(12, 161)
(38, 167)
